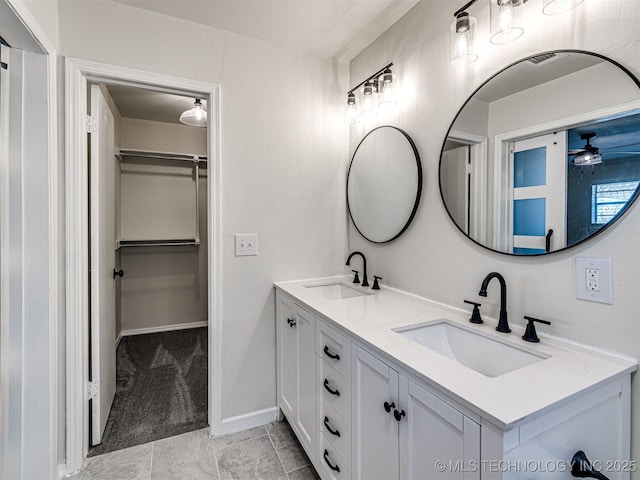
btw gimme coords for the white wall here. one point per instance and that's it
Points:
(283, 143)
(432, 258)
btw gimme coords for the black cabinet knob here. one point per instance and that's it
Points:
(291, 322)
(118, 273)
(388, 406)
(398, 415)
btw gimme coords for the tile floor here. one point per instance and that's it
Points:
(271, 453)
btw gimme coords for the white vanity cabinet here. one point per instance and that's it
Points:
(402, 430)
(366, 404)
(296, 387)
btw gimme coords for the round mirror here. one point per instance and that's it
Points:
(384, 184)
(545, 154)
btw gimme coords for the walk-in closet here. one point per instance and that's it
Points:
(151, 170)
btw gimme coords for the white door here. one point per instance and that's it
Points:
(436, 441)
(102, 264)
(538, 180)
(374, 429)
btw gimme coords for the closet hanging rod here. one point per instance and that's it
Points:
(158, 243)
(152, 155)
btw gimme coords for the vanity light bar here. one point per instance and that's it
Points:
(375, 75)
(380, 82)
(505, 23)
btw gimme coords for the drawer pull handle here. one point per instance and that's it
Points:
(331, 430)
(331, 355)
(335, 468)
(291, 322)
(388, 406)
(328, 389)
(398, 415)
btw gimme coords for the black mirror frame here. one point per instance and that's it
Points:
(621, 213)
(418, 192)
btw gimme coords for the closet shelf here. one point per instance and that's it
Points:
(128, 154)
(158, 243)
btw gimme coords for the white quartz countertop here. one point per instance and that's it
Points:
(507, 400)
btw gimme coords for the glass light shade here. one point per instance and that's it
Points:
(387, 89)
(588, 158)
(505, 22)
(367, 105)
(196, 116)
(555, 7)
(462, 35)
(351, 109)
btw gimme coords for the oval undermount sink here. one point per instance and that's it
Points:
(337, 291)
(486, 355)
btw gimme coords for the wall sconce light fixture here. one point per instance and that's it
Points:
(506, 25)
(462, 34)
(555, 7)
(377, 90)
(505, 21)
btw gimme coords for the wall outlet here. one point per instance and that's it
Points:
(594, 280)
(246, 244)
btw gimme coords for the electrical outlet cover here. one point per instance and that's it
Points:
(594, 279)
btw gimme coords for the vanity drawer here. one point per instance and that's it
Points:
(334, 348)
(335, 430)
(335, 390)
(333, 465)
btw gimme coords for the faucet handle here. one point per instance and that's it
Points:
(356, 279)
(375, 282)
(530, 334)
(475, 315)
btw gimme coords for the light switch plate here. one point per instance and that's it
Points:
(246, 244)
(594, 279)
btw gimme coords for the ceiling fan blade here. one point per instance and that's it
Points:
(575, 152)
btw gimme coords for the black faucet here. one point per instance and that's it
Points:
(365, 282)
(503, 324)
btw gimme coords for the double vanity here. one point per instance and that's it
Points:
(383, 384)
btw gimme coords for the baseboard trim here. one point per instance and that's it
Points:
(248, 420)
(162, 328)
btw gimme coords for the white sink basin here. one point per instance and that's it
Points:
(484, 354)
(337, 291)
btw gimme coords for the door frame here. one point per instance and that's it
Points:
(78, 74)
(34, 416)
(502, 172)
(478, 152)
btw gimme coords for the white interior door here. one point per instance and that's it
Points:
(538, 180)
(102, 252)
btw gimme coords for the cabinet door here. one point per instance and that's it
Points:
(374, 431)
(437, 442)
(306, 362)
(287, 357)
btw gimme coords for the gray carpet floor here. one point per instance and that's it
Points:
(161, 388)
